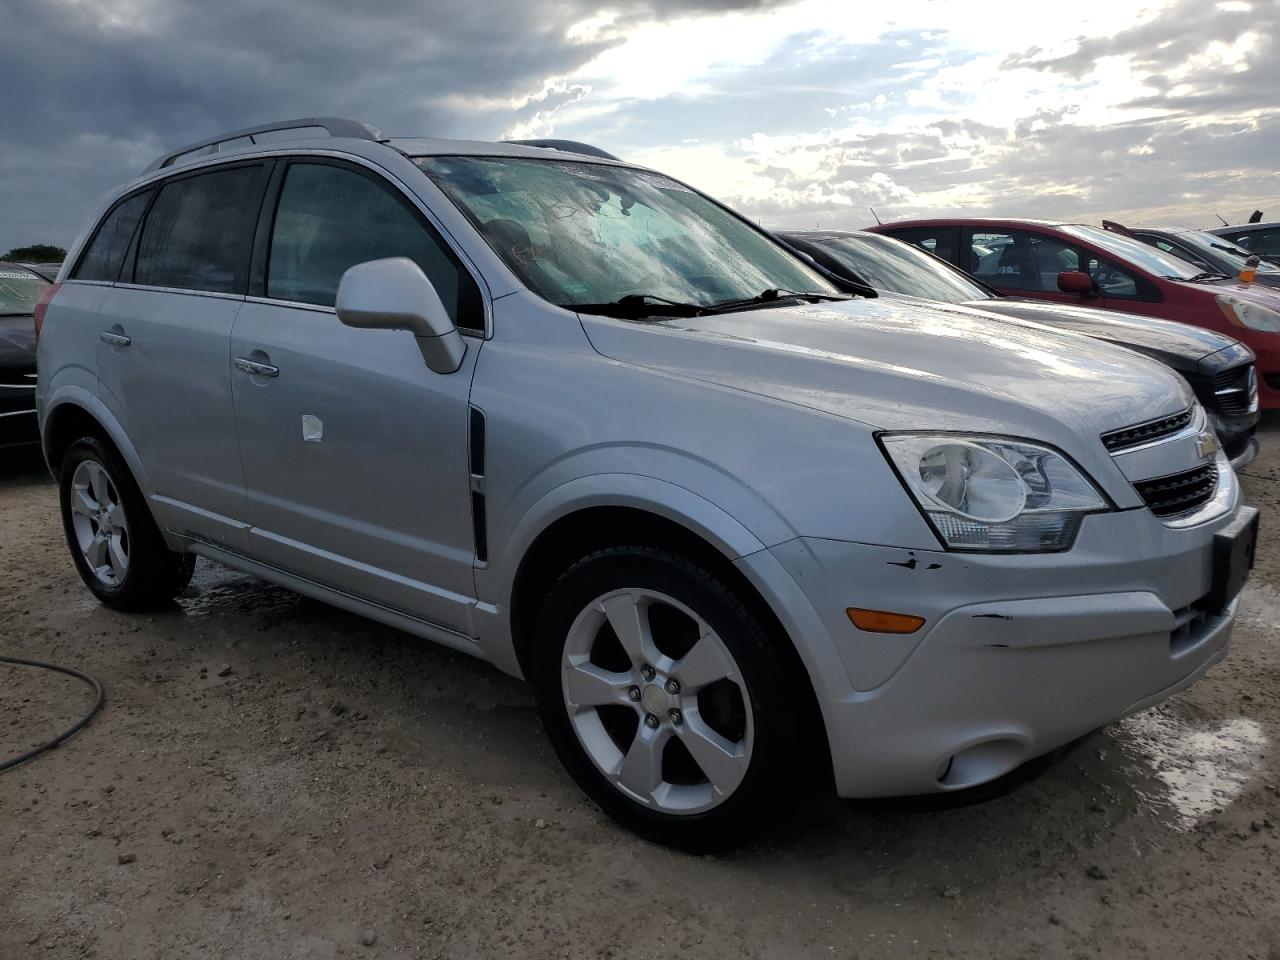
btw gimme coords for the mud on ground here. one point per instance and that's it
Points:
(273, 778)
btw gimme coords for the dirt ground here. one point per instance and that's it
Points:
(272, 778)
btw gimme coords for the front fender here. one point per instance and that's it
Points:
(663, 498)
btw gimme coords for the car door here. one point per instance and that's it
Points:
(165, 334)
(355, 454)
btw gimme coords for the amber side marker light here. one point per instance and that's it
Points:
(881, 621)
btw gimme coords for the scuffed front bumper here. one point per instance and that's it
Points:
(1020, 654)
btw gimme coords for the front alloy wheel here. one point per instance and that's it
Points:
(657, 701)
(669, 700)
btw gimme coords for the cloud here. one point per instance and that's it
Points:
(1169, 116)
(797, 112)
(95, 89)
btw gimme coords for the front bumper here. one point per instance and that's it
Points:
(18, 406)
(1020, 654)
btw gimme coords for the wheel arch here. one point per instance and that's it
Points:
(76, 413)
(578, 532)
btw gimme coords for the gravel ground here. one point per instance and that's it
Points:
(272, 778)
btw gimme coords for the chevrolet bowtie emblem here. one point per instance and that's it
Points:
(1207, 445)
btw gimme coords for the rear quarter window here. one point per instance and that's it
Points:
(105, 254)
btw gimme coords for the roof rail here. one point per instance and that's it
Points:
(334, 126)
(568, 146)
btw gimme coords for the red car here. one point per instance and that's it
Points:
(1081, 264)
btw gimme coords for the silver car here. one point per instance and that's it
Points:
(743, 535)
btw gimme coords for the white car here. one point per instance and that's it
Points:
(573, 417)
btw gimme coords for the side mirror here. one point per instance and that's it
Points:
(394, 294)
(1076, 281)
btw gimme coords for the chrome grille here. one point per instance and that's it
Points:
(1180, 492)
(1235, 391)
(1140, 433)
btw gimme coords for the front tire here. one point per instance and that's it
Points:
(115, 544)
(667, 699)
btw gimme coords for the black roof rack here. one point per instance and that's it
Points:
(568, 146)
(334, 126)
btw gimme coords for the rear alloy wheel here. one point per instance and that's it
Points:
(100, 523)
(117, 547)
(666, 698)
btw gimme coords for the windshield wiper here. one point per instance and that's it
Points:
(1201, 277)
(772, 295)
(637, 306)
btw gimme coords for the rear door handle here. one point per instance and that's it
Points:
(254, 368)
(115, 339)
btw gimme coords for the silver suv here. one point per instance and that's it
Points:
(576, 418)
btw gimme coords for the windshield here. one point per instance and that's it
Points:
(1135, 253)
(19, 290)
(586, 233)
(1216, 246)
(892, 266)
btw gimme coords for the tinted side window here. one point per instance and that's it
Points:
(1018, 260)
(940, 241)
(331, 218)
(103, 257)
(1263, 242)
(1268, 244)
(1003, 259)
(198, 233)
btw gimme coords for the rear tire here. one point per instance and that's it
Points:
(114, 541)
(667, 700)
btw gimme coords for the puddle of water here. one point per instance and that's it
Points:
(1201, 767)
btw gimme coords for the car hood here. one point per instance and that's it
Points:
(1179, 345)
(17, 342)
(900, 365)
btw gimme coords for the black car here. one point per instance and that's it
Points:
(1260, 238)
(20, 288)
(1219, 369)
(1210, 252)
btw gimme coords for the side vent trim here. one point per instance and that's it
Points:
(477, 442)
(476, 449)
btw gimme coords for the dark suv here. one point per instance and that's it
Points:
(20, 290)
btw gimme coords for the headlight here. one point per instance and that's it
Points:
(989, 493)
(1245, 313)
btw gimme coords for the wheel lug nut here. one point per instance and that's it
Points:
(647, 672)
(673, 686)
(675, 717)
(634, 694)
(651, 721)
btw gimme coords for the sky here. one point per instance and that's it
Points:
(803, 113)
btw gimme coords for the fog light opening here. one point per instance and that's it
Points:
(981, 763)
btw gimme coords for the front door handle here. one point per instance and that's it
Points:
(115, 339)
(254, 368)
